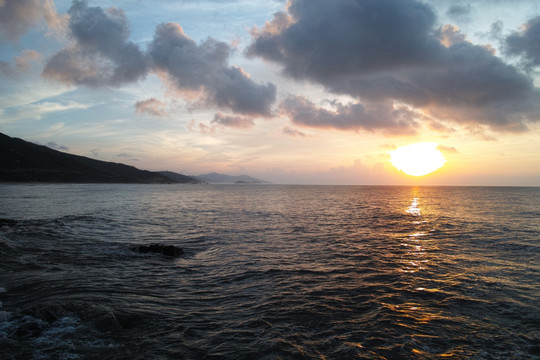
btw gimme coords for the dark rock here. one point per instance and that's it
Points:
(47, 315)
(534, 350)
(114, 321)
(172, 251)
(107, 323)
(29, 329)
(167, 250)
(8, 222)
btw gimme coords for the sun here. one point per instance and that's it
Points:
(417, 159)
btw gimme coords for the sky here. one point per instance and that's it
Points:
(294, 92)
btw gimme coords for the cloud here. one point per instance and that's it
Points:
(447, 149)
(221, 121)
(322, 40)
(126, 155)
(392, 51)
(56, 146)
(450, 35)
(234, 121)
(19, 16)
(459, 12)
(21, 64)
(152, 107)
(100, 53)
(38, 110)
(203, 68)
(203, 128)
(526, 43)
(357, 173)
(357, 116)
(294, 132)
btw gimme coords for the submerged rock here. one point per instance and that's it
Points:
(167, 250)
(112, 322)
(7, 222)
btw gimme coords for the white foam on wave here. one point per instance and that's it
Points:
(65, 338)
(59, 330)
(5, 325)
(3, 290)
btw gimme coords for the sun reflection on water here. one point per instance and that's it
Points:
(414, 209)
(415, 258)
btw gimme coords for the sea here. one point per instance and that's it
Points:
(269, 272)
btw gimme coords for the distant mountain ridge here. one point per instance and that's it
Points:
(23, 161)
(180, 178)
(215, 178)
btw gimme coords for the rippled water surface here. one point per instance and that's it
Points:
(269, 272)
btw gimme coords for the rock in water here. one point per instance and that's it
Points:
(171, 250)
(7, 222)
(167, 250)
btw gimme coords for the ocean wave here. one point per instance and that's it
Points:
(303, 272)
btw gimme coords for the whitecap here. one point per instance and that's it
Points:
(3, 316)
(63, 327)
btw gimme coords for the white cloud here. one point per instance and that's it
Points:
(36, 111)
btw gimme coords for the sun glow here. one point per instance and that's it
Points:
(417, 159)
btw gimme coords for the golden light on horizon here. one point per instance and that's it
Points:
(417, 159)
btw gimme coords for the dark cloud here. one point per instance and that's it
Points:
(191, 66)
(100, 53)
(203, 68)
(18, 16)
(381, 116)
(152, 107)
(526, 43)
(234, 89)
(323, 40)
(391, 50)
(234, 121)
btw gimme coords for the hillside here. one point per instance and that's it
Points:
(180, 178)
(22, 161)
(215, 178)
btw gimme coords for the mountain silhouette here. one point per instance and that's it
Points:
(23, 161)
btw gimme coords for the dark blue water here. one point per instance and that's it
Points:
(269, 272)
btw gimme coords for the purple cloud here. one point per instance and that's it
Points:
(152, 107)
(203, 68)
(100, 53)
(233, 121)
(382, 51)
(381, 116)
